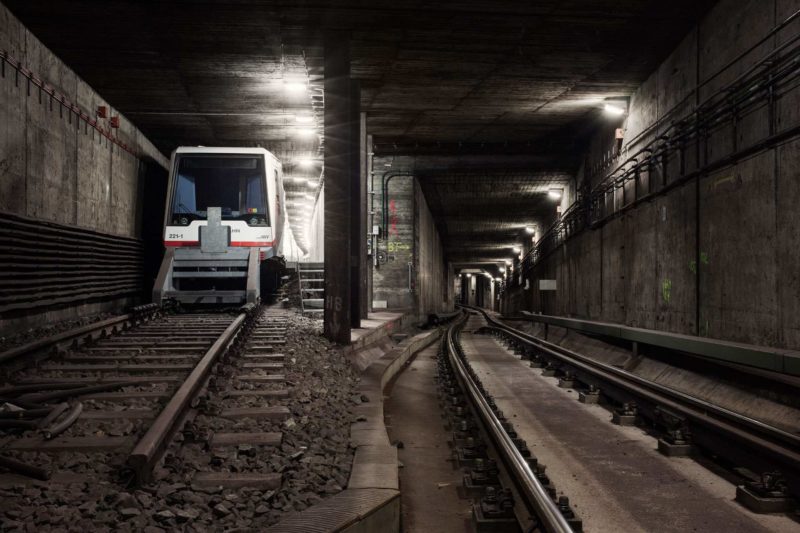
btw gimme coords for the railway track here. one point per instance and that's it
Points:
(129, 399)
(535, 507)
(766, 458)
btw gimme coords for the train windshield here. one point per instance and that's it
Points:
(235, 183)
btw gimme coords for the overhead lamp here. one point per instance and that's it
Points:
(305, 162)
(306, 132)
(556, 194)
(508, 261)
(498, 279)
(309, 196)
(615, 107)
(517, 249)
(304, 119)
(312, 183)
(295, 87)
(530, 229)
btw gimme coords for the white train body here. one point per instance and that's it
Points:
(240, 192)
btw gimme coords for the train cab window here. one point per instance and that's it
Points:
(235, 183)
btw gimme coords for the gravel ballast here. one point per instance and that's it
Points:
(314, 459)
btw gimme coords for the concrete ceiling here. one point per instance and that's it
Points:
(502, 85)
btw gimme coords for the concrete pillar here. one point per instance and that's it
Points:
(371, 220)
(363, 213)
(342, 192)
(472, 290)
(358, 251)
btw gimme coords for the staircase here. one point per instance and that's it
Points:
(311, 280)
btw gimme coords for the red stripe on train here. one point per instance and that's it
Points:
(236, 243)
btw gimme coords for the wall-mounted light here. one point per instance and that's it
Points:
(615, 107)
(530, 229)
(555, 194)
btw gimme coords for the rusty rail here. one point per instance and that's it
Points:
(150, 448)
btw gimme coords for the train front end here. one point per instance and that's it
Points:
(222, 228)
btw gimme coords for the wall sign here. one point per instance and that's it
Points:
(547, 284)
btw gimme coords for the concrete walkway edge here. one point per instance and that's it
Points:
(371, 501)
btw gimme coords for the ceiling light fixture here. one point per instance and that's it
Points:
(306, 132)
(305, 162)
(530, 230)
(295, 87)
(304, 119)
(556, 194)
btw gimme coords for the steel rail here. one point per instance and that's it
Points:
(535, 495)
(782, 445)
(53, 340)
(148, 450)
(76, 333)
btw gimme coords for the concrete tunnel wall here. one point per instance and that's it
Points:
(640, 268)
(54, 166)
(411, 274)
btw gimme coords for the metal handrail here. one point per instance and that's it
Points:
(768, 358)
(535, 495)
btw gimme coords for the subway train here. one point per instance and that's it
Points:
(223, 224)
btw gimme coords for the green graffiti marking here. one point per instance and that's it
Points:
(693, 263)
(666, 289)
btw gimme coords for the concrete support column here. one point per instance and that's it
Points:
(342, 192)
(363, 214)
